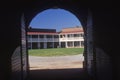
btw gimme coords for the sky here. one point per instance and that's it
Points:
(54, 19)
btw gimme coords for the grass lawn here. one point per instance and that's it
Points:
(55, 51)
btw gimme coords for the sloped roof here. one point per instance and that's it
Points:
(41, 30)
(72, 29)
(53, 31)
(36, 33)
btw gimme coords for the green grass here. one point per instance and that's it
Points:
(56, 52)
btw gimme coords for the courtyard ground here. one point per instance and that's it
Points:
(56, 62)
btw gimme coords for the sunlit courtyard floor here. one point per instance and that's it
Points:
(56, 62)
(57, 68)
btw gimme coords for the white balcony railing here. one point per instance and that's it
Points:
(43, 39)
(72, 39)
(55, 39)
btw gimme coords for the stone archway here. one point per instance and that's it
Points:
(81, 14)
(103, 31)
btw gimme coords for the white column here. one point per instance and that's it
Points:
(66, 46)
(80, 43)
(31, 45)
(53, 41)
(59, 41)
(70, 35)
(73, 44)
(38, 44)
(45, 39)
(59, 44)
(66, 37)
(52, 44)
(31, 41)
(45, 45)
(38, 41)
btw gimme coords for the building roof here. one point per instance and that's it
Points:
(41, 30)
(35, 31)
(72, 29)
(48, 33)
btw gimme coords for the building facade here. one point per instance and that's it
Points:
(49, 38)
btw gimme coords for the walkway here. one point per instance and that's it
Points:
(59, 62)
(57, 68)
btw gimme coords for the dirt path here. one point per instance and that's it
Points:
(60, 62)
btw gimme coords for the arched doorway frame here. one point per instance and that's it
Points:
(84, 16)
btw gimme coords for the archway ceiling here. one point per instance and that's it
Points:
(32, 8)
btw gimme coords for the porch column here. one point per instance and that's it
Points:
(73, 44)
(53, 41)
(66, 45)
(38, 42)
(59, 41)
(31, 41)
(38, 45)
(31, 45)
(52, 44)
(59, 44)
(80, 43)
(45, 42)
(45, 45)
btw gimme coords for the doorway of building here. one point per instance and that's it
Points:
(55, 47)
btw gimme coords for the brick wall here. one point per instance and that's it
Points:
(16, 65)
(103, 65)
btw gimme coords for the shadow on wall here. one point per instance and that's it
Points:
(103, 65)
(59, 74)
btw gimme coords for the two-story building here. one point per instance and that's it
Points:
(49, 38)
